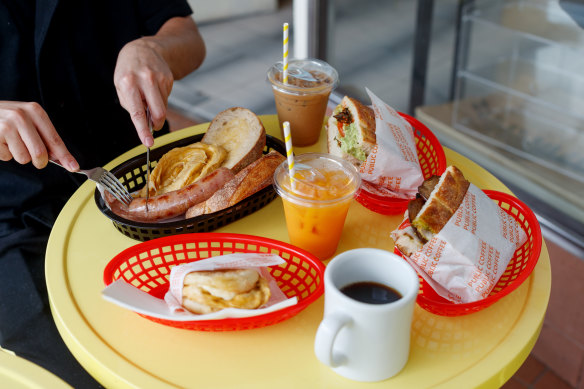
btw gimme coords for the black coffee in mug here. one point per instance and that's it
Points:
(371, 292)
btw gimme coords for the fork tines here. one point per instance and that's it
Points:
(115, 187)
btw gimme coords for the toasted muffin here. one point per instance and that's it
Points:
(210, 291)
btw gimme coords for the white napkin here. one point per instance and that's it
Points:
(392, 169)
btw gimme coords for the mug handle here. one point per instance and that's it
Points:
(325, 338)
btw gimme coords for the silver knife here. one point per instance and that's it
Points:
(148, 159)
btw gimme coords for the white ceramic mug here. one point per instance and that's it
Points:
(362, 341)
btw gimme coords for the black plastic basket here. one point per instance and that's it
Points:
(132, 174)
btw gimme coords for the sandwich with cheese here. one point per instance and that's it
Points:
(437, 200)
(351, 131)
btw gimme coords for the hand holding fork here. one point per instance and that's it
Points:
(107, 180)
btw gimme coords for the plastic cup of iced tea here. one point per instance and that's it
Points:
(317, 200)
(304, 99)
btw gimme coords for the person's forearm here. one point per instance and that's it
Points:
(180, 44)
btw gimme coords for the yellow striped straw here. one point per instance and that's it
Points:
(289, 152)
(285, 55)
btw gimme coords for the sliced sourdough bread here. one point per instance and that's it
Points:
(241, 133)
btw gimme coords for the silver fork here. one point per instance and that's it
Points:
(108, 180)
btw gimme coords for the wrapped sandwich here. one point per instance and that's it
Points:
(224, 285)
(380, 143)
(437, 200)
(458, 239)
(211, 291)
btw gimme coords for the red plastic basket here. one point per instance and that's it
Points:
(432, 162)
(519, 268)
(147, 266)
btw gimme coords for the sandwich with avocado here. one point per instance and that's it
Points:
(351, 131)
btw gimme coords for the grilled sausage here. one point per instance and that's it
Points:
(173, 203)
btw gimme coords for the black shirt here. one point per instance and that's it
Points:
(62, 54)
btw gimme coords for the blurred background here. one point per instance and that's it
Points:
(500, 82)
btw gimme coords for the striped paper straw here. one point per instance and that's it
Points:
(289, 152)
(285, 55)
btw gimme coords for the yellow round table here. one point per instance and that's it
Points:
(18, 373)
(122, 349)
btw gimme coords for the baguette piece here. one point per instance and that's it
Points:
(443, 202)
(351, 131)
(248, 181)
(240, 132)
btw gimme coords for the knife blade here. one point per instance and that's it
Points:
(148, 159)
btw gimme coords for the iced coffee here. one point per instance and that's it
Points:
(303, 100)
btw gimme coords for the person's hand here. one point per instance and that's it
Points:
(143, 79)
(27, 135)
(147, 67)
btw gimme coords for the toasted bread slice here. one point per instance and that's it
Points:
(248, 181)
(351, 131)
(443, 202)
(241, 133)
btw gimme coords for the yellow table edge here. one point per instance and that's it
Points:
(523, 332)
(17, 372)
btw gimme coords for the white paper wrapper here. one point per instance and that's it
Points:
(465, 260)
(129, 297)
(392, 169)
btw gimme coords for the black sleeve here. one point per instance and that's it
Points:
(154, 13)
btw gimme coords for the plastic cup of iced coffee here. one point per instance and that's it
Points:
(303, 100)
(317, 200)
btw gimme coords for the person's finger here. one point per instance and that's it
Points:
(157, 105)
(5, 128)
(29, 131)
(15, 127)
(16, 147)
(5, 154)
(132, 101)
(30, 149)
(46, 135)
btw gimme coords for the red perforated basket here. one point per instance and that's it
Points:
(519, 268)
(147, 266)
(432, 162)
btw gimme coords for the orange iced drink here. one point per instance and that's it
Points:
(316, 202)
